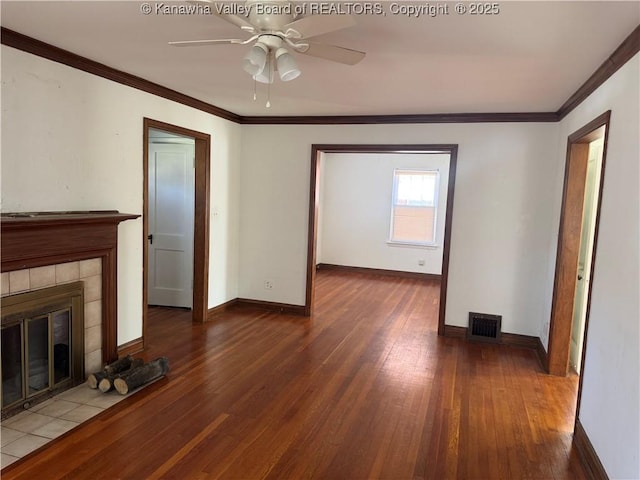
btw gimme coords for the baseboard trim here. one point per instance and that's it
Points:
(590, 460)
(223, 307)
(542, 355)
(378, 271)
(455, 332)
(272, 306)
(134, 346)
(261, 304)
(510, 339)
(517, 340)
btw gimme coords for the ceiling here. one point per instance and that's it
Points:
(528, 58)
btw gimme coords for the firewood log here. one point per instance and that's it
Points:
(106, 383)
(94, 379)
(119, 365)
(145, 374)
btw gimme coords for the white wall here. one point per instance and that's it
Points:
(611, 384)
(355, 208)
(503, 217)
(73, 141)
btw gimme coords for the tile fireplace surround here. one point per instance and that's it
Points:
(87, 271)
(41, 250)
(50, 248)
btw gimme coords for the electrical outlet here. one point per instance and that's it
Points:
(268, 284)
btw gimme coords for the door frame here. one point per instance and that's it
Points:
(201, 218)
(560, 326)
(314, 199)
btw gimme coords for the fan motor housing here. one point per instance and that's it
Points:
(272, 41)
(272, 15)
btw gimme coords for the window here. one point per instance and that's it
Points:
(414, 208)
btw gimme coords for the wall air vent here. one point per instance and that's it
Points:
(484, 327)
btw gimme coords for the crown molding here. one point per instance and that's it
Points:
(627, 50)
(621, 55)
(417, 118)
(50, 52)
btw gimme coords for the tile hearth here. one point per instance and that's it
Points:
(29, 430)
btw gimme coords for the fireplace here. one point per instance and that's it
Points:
(42, 345)
(57, 250)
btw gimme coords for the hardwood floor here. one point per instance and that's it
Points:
(364, 389)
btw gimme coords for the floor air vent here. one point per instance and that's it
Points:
(484, 327)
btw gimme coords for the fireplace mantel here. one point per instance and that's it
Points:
(36, 239)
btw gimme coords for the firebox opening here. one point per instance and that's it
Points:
(42, 345)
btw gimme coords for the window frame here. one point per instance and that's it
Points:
(394, 198)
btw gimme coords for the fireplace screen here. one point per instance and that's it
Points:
(42, 345)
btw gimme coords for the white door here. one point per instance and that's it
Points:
(594, 167)
(171, 210)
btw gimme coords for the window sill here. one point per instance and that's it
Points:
(427, 246)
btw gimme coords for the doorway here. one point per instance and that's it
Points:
(585, 255)
(317, 153)
(200, 223)
(577, 241)
(171, 174)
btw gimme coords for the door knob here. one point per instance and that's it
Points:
(150, 238)
(579, 277)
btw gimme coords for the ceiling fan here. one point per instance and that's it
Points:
(275, 25)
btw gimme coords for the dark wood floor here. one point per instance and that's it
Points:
(365, 389)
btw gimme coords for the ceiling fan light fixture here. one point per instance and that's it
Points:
(266, 75)
(255, 60)
(287, 67)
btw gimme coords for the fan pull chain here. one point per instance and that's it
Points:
(255, 97)
(269, 83)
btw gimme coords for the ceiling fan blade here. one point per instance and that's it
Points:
(314, 25)
(217, 9)
(201, 43)
(333, 53)
(236, 20)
